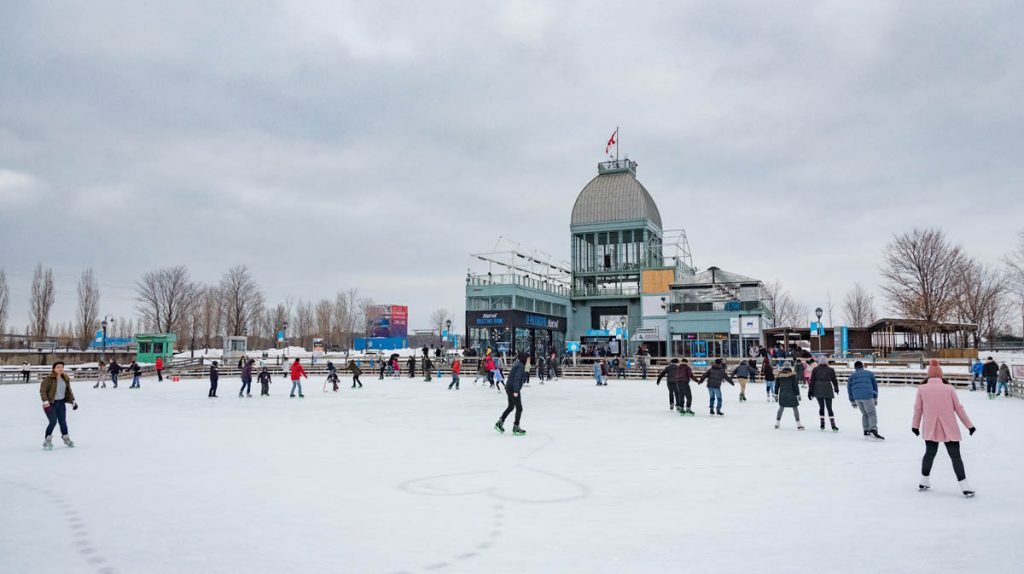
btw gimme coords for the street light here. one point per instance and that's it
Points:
(818, 312)
(448, 325)
(103, 324)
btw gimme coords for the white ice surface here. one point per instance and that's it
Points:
(409, 477)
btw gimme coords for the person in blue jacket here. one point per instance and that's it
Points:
(862, 388)
(514, 390)
(976, 369)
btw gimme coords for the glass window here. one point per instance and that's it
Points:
(144, 347)
(501, 302)
(158, 348)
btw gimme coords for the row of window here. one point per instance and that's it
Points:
(614, 250)
(505, 302)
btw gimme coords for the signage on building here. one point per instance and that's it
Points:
(734, 325)
(514, 319)
(388, 321)
(572, 346)
(750, 325)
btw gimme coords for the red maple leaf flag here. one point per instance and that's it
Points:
(611, 141)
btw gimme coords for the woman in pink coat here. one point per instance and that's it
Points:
(938, 407)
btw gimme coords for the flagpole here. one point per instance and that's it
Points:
(616, 144)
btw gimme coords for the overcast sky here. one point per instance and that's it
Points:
(330, 145)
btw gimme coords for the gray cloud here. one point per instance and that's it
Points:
(330, 145)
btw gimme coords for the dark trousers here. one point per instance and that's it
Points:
(382, 369)
(160, 374)
(953, 448)
(113, 379)
(513, 403)
(990, 385)
(673, 398)
(825, 404)
(265, 389)
(355, 381)
(57, 414)
(246, 387)
(213, 388)
(683, 396)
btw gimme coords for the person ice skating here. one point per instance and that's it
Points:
(768, 373)
(1003, 381)
(743, 374)
(936, 410)
(101, 375)
(456, 369)
(499, 374)
(26, 370)
(159, 365)
(297, 373)
(553, 366)
(990, 372)
(799, 368)
(114, 369)
(356, 371)
(428, 366)
(136, 375)
(862, 388)
(383, 367)
(332, 377)
(684, 398)
(491, 367)
(643, 357)
(824, 386)
(411, 365)
(787, 394)
(513, 390)
(670, 373)
(976, 369)
(246, 379)
(714, 376)
(55, 392)
(264, 380)
(214, 377)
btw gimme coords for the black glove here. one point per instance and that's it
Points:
(809, 396)
(971, 430)
(916, 432)
(75, 408)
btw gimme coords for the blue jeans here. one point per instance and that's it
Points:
(296, 384)
(135, 381)
(57, 414)
(455, 382)
(715, 393)
(769, 387)
(1001, 388)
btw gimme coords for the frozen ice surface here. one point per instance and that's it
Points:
(409, 477)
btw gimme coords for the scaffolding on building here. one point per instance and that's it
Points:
(509, 263)
(676, 252)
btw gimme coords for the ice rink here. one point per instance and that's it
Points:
(406, 476)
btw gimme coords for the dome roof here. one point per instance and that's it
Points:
(614, 196)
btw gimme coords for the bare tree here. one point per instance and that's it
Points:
(438, 319)
(88, 307)
(784, 310)
(212, 314)
(5, 298)
(1015, 263)
(41, 302)
(242, 300)
(163, 298)
(980, 298)
(303, 322)
(339, 318)
(920, 271)
(859, 307)
(324, 313)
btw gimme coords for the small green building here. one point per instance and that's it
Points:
(153, 345)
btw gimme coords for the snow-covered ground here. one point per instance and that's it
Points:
(409, 477)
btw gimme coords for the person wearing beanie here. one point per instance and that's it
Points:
(214, 377)
(1004, 380)
(934, 370)
(714, 376)
(769, 378)
(936, 411)
(990, 372)
(744, 373)
(684, 399)
(824, 386)
(670, 374)
(787, 394)
(513, 391)
(862, 388)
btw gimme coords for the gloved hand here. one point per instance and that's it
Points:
(876, 402)
(971, 430)
(916, 432)
(75, 407)
(853, 404)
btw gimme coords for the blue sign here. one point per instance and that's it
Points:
(490, 319)
(280, 336)
(99, 336)
(817, 329)
(381, 343)
(572, 346)
(599, 333)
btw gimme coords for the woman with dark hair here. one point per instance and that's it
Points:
(787, 394)
(513, 390)
(937, 408)
(55, 392)
(769, 378)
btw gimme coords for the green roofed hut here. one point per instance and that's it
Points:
(149, 346)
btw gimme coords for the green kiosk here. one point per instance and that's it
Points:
(153, 345)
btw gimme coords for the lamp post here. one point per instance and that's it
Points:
(103, 324)
(448, 326)
(818, 312)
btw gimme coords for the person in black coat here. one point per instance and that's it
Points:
(411, 365)
(824, 387)
(214, 376)
(513, 391)
(787, 394)
(428, 366)
(264, 380)
(671, 376)
(114, 369)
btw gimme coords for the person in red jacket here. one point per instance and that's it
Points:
(456, 369)
(297, 373)
(159, 368)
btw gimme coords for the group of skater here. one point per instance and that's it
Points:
(995, 377)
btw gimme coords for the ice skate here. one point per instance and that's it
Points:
(720, 413)
(799, 426)
(777, 424)
(874, 434)
(822, 423)
(67, 441)
(690, 413)
(518, 431)
(833, 423)
(499, 426)
(924, 484)
(711, 411)
(968, 492)
(47, 443)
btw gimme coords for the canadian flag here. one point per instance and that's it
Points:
(611, 141)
